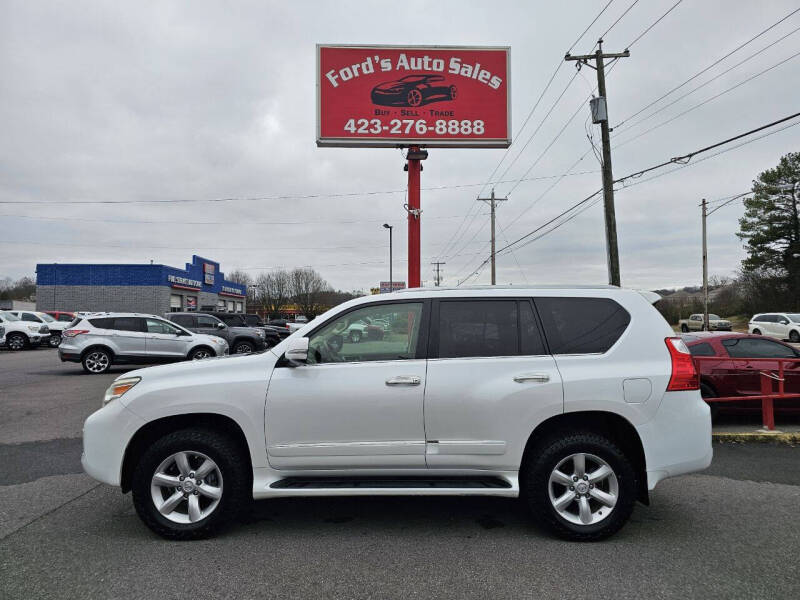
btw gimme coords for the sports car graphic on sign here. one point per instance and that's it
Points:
(413, 90)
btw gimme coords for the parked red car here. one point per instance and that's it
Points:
(60, 315)
(736, 374)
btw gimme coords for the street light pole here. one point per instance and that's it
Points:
(391, 282)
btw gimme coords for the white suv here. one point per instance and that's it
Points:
(783, 326)
(21, 334)
(578, 400)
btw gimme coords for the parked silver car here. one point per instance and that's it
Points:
(98, 341)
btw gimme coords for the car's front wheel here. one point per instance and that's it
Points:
(190, 483)
(580, 486)
(16, 341)
(794, 337)
(200, 353)
(685, 328)
(55, 340)
(243, 348)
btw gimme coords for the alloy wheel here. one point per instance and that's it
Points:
(201, 354)
(583, 489)
(15, 342)
(243, 349)
(97, 362)
(55, 341)
(186, 487)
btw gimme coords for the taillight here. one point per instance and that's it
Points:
(684, 375)
(74, 332)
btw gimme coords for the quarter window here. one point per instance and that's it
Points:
(582, 325)
(478, 328)
(371, 333)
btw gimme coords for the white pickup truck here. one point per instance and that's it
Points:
(695, 323)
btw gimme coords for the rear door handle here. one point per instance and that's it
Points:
(404, 380)
(535, 377)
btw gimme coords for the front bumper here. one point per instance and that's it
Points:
(677, 440)
(106, 434)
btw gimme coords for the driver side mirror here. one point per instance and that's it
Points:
(221, 325)
(297, 351)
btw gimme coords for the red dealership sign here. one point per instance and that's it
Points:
(438, 96)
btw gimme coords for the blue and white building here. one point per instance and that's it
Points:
(148, 288)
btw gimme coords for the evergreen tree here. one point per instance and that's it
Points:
(771, 228)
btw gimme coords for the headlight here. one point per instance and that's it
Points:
(260, 332)
(220, 341)
(119, 387)
(34, 328)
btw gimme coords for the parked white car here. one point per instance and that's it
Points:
(783, 326)
(22, 334)
(56, 328)
(580, 400)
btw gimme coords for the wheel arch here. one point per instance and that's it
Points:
(96, 347)
(198, 347)
(157, 428)
(612, 425)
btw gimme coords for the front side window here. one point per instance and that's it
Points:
(31, 317)
(478, 328)
(582, 325)
(206, 321)
(757, 348)
(353, 336)
(159, 326)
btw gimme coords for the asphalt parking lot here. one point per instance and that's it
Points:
(731, 532)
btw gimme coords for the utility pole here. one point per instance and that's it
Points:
(600, 115)
(438, 278)
(704, 206)
(391, 282)
(492, 202)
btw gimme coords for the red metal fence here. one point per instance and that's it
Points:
(769, 378)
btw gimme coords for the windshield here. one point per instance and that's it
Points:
(9, 317)
(794, 317)
(714, 317)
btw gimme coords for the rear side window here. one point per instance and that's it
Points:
(183, 320)
(129, 324)
(757, 348)
(103, 323)
(478, 328)
(702, 350)
(232, 320)
(66, 318)
(582, 325)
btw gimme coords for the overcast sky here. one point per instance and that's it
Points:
(209, 100)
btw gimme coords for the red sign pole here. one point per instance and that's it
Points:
(414, 213)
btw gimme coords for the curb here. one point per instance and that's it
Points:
(790, 439)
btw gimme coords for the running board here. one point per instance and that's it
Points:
(390, 483)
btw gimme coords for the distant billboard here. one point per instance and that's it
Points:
(395, 285)
(433, 96)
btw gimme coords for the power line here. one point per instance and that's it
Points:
(747, 193)
(679, 98)
(713, 64)
(614, 24)
(653, 24)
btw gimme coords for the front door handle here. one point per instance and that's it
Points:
(404, 380)
(535, 377)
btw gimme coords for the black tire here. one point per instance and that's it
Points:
(243, 347)
(756, 332)
(55, 340)
(544, 458)
(414, 98)
(706, 391)
(794, 337)
(96, 361)
(16, 341)
(233, 467)
(201, 352)
(685, 328)
(355, 336)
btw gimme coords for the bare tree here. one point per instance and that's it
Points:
(273, 290)
(307, 287)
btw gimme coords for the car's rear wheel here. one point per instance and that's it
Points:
(756, 332)
(190, 483)
(355, 336)
(414, 98)
(96, 361)
(55, 340)
(243, 348)
(579, 486)
(685, 328)
(16, 341)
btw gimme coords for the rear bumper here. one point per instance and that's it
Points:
(678, 439)
(68, 356)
